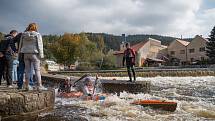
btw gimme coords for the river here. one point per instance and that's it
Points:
(195, 97)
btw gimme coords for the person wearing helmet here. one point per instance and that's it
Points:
(85, 86)
(65, 86)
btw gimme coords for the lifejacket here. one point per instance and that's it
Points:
(129, 56)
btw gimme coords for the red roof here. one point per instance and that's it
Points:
(135, 47)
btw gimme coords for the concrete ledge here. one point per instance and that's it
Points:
(52, 80)
(108, 86)
(15, 102)
(117, 86)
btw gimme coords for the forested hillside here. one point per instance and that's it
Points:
(113, 41)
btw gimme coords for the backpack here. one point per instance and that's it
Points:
(29, 42)
(29, 36)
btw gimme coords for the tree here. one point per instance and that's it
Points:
(72, 47)
(98, 39)
(1, 36)
(47, 43)
(210, 51)
(64, 49)
(109, 61)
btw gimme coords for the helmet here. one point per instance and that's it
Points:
(67, 79)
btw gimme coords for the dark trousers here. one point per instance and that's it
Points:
(129, 69)
(2, 67)
(20, 74)
(9, 69)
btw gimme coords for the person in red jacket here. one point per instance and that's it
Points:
(129, 58)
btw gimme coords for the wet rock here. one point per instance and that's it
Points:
(97, 114)
(65, 113)
(15, 102)
(117, 86)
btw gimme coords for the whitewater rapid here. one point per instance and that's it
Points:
(195, 97)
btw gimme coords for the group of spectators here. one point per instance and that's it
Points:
(20, 54)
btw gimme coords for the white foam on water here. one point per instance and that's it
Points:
(194, 96)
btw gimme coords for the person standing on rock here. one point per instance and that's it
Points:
(7, 51)
(21, 66)
(14, 72)
(31, 46)
(2, 66)
(129, 58)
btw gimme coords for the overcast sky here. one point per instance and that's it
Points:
(163, 17)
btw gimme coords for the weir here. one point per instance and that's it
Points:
(180, 72)
(108, 86)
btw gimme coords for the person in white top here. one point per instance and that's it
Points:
(31, 46)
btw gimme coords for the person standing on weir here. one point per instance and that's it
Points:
(129, 57)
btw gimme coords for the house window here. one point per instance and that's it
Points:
(191, 50)
(201, 49)
(172, 52)
(182, 51)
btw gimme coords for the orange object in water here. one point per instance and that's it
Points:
(72, 94)
(75, 94)
(157, 104)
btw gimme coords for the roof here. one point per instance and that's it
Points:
(183, 42)
(200, 36)
(135, 47)
(138, 46)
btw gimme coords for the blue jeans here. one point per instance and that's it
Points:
(20, 75)
(14, 73)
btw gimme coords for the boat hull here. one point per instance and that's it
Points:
(157, 104)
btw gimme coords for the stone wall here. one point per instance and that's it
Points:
(53, 80)
(14, 102)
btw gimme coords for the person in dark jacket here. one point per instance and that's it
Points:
(129, 58)
(2, 66)
(7, 53)
(65, 86)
